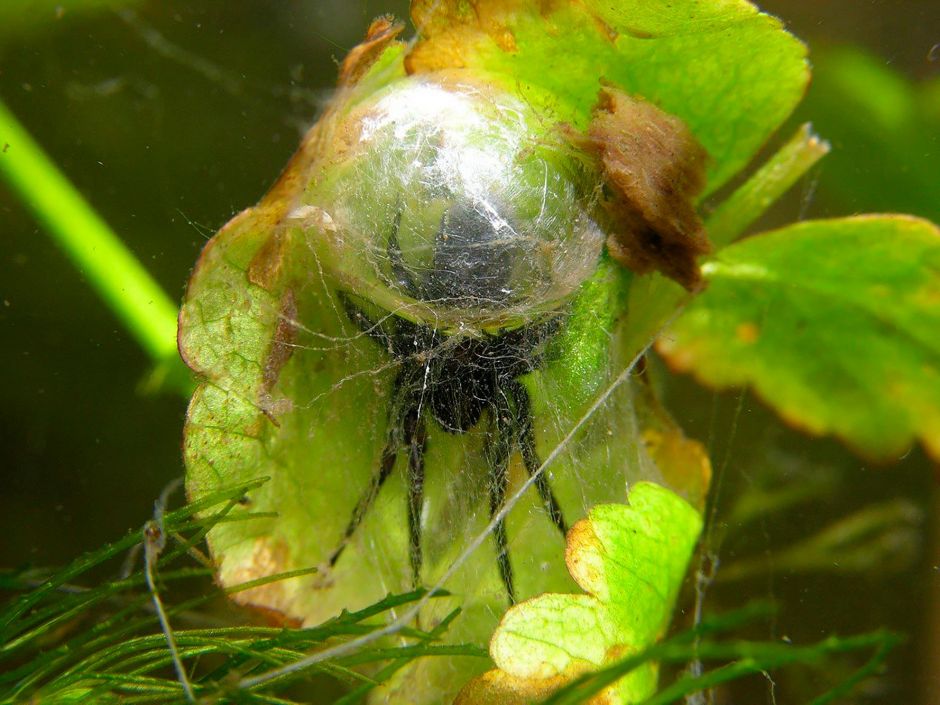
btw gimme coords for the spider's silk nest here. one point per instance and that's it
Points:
(440, 197)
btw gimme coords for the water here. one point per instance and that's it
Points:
(174, 118)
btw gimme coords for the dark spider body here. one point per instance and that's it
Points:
(456, 380)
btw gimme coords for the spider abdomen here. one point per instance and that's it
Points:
(473, 258)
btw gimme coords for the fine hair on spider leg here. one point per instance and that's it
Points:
(454, 381)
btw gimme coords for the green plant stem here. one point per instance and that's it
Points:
(765, 186)
(118, 277)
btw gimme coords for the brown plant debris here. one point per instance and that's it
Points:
(382, 32)
(653, 167)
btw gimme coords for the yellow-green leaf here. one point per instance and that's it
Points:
(834, 323)
(630, 560)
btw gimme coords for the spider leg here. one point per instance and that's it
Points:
(498, 457)
(387, 463)
(406, 430)
(530, 458)
(416, 440)
(403, 277)
(364, 323)
(389, 455)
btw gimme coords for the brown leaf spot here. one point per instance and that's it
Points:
(274, 618)
(679, 357)
(653, 168)
(381, 33)
(618, 652)
(449, 30)
(683, 461)
(506, 40)
(582, 556)
(255, 429)
(747, 333)
(268, 262)
(282, 347)
(268, 557)
(500, 688)
(605, 30)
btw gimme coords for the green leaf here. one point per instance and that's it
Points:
(833, 323)
(631, 560)
(728, 71)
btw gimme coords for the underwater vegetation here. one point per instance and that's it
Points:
(437, 446)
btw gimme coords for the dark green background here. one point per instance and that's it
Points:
(169, 136)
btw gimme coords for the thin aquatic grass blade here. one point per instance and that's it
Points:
(749, 658)
(765, 186)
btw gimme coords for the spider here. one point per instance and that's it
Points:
(457, 380)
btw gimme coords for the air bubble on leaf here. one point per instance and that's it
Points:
(452, 198)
